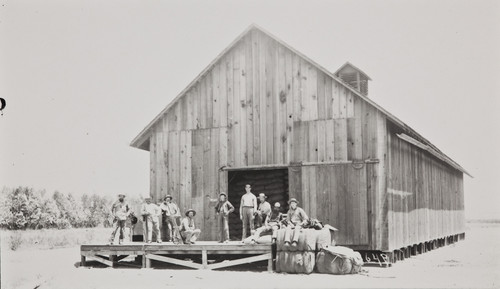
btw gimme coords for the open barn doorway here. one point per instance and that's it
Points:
(272, 182)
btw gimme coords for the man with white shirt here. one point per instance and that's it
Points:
(248, 206)
(151, 217)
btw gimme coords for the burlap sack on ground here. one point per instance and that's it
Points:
(338, 260)
(295, 262)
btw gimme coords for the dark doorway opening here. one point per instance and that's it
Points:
(272, 182)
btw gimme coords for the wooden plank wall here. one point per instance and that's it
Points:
(263, 92)
(426, 198)
(260, 104)
(341, 198)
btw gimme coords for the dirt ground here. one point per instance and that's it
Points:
(473, 263)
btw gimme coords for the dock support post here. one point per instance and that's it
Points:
(83, 261)
(112, 259)
(204, 258)
(270, 264)
(144, 261)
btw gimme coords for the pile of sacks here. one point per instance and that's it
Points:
(315, 249)
(338, 260)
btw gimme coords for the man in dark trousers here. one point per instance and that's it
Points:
(170, 214)
(120, 211)
(248, 206)
(272, 223)
(222, 210)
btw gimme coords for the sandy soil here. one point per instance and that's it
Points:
(473, 263)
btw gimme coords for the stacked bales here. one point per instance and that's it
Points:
(302, 258)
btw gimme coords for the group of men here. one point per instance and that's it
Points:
(257, 217)
(261, 219)
(151, 212)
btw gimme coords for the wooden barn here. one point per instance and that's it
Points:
(265, 114)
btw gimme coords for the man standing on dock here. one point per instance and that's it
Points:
(170, 212)
(188, 228)
(222, 210)
(120, 211)
(296, 218)
(151, 214)
(248, 206)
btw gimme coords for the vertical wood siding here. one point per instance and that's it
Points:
(425, 196)
(336, 194)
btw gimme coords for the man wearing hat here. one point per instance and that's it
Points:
(222, 210)
(248, 206)
(296, 218)
(170, 213)
(188, 228)
(263, 210)
(272, 223)
(120, 211)
(151, 214)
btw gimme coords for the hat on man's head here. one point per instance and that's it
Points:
(167, 197)
(277, 205)
(262, 195)
(293, 200)
(222, 194)
(121, 196)
(147, 198)
(191, 210)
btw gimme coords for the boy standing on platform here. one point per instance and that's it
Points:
(222, 210)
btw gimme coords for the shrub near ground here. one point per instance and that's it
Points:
(53, 238)
(25, 208)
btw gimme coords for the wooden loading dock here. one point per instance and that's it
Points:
(262, 107)
(175, 254)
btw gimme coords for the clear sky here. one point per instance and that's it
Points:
(82, 78)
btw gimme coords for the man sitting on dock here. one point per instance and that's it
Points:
(248, 206)
(171, 213)
(151, 217)
(188, 228)
(296, 218)
(272, 223)
(120, 211)
(263, 210)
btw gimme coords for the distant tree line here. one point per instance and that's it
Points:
(26, 208)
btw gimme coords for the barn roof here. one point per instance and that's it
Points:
(143, 136)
